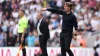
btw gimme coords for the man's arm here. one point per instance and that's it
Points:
(46, 29)
(25, 24)
(53, 10)
(75, 24)
(23, 34)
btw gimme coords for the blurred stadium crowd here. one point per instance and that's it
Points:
(86, 11)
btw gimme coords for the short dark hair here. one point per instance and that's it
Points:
(69, 4)
(22, 10)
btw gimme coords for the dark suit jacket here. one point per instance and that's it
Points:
(44, 28)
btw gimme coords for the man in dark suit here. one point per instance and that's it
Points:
(69, 20)
(43, 32)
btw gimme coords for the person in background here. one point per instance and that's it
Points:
(97, 42)
(1, 38)
(95, 51)
(74, 42)
(15, 29)
(31, 25)
(36, 38)
(10, 39)
(30, 40)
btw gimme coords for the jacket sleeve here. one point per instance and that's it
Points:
(56, 11)
(75, 22)
(46, 29)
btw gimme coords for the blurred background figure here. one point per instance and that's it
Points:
(95, 52)
(31, 25)
(97, 42)
(74, 42)
(10, 39)
(1, 38)
(30, 39)
(36, 38)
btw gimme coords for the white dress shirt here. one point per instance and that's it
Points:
(38, 25)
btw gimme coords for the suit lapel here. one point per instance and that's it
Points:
(37, 24)
(41, 24)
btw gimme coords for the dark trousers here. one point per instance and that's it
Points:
(23, 43)
(43, 44)
(65, 40)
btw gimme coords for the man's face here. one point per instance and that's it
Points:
(20, 13)
(66, 8)
(39, 16)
